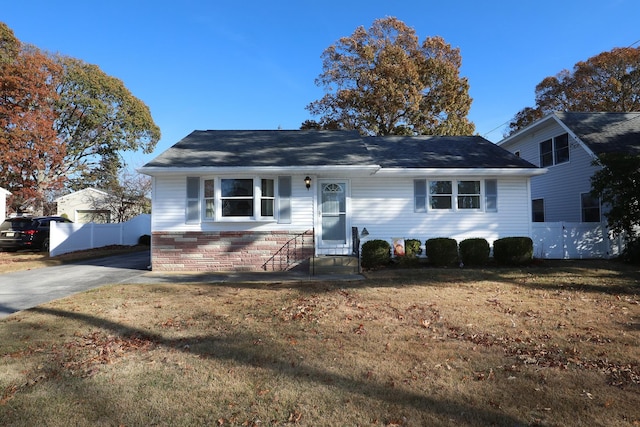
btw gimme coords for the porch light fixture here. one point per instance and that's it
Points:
(364, 232)
(307, 182)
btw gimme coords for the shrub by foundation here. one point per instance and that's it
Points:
(376, 254)
(411, 251)
(474, 251)
(442, 251)
(412, 247)
(513, 250)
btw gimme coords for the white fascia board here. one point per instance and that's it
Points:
(462, 172)
(364, 170)
(539, 122)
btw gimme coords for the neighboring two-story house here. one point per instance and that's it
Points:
(567, 144)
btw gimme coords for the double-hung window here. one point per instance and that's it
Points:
(209, 198)
(440, 194)
(590, 207)
(537, 210)
(468, 194)
(222, 198)
(236, 197)
(554, 151)
(433, 195)
(267, 197)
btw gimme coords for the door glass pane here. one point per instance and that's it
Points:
(333, 228)
(333, 209)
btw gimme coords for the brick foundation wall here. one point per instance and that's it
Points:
(230, 250)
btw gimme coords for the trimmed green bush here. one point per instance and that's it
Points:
(411, 251)
(474, 251)
(376, 254)
(442, 251)
(513, 250)
(412, 247)
(145, 239)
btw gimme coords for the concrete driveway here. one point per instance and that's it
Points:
(26, 289)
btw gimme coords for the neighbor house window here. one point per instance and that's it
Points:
(467, 194)
(237, 198)
(554, 151)
(537, 207)
(590, 208)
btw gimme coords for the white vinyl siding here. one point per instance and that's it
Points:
(386, 207)
(563, 183)
(168, 215)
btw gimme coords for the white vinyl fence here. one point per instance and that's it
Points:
(70, 237)
(574, 240)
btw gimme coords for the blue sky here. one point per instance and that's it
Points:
(252, 64)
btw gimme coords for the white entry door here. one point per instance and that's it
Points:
(334, 221)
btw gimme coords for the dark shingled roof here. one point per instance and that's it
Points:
(605, 132)
(441, 152)
(251, 148)
(280, 148)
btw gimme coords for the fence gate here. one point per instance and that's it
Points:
(573, 240)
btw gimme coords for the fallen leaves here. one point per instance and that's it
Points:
(99, 349)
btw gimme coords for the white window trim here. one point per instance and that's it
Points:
(582, 209)
(257, 200)
(554, 151)
(454, 196)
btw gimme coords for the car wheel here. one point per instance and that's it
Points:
(45, 246)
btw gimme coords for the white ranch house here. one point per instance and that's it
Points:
(266, 200)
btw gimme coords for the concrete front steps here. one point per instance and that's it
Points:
(333, 264)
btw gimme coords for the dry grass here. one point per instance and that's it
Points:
(540, 346)
(27, 260)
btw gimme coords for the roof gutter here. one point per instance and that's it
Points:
(463, 172)
(350, 170)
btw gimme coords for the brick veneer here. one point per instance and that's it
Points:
(230, 250)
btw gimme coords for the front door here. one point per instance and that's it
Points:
(333, 218)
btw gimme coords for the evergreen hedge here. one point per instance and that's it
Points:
(442, 251)
(376, 254)
(513, 250)
(474, 251)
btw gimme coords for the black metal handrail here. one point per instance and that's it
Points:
(294, 251)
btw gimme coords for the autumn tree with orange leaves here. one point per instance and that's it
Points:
(31, 153)
(383, 81)
(63, 122)
(609, 81)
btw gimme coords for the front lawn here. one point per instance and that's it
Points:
(553, 345)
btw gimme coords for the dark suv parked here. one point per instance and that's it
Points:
(27, 232)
